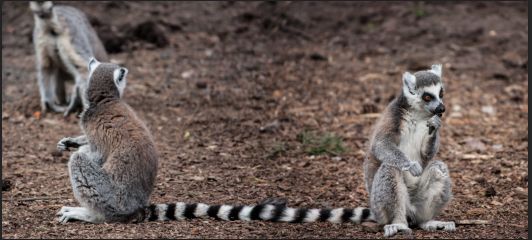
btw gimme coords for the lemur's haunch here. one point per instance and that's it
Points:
(64, 40)
(113, 172)
(406, 185)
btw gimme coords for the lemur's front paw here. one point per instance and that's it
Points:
(414, 168)
(434, 123)
(66, 143)
(439, 170)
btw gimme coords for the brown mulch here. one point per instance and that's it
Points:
(207, 77)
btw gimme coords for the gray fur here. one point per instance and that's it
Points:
(426, 78)
(406, 186)
(113, 171)
(64, 41)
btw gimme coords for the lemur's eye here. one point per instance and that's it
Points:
(427, 97)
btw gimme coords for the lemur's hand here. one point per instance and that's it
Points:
(414, 168)
(434, 123)
(66, 143)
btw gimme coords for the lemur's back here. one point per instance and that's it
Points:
(81, 32)
(129, 153)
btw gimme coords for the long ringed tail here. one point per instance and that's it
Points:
(263, 212)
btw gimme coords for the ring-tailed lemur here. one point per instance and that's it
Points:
(113, 171)
(406, 186)
(64, 41)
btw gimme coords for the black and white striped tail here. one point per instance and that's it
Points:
(264, 212)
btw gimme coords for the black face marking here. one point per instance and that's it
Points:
(427, 97)
(441, 93)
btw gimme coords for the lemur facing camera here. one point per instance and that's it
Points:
(406, 186)
(113, 171)
(64, 41)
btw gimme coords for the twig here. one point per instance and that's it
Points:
(33, 199)
(472, 222)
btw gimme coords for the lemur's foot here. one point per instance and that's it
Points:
(66, 143)
(438, 225)
(439, 170)
(392, 229)
(414, 168)
(64, 209)
(67, 214)
(51, 107)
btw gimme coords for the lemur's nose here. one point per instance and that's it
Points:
(440, 109)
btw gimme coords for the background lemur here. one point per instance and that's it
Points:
(64, 41)
(406, 186)
(113, 171)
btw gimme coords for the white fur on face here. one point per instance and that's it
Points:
(414, 96)
(435, 91)
(119, 77)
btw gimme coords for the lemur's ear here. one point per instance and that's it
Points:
(119, 76)
(409, 82)
(436, 69)
(47, 6)
(93, 63)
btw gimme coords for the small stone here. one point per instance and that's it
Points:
(187, 74)
(6, 185)
(490, 110)
(337, 158)
(270, 127)
(476, 144)
(201, 85)
(490, 192)
(497, 147)
(317, 57)
(56, 153)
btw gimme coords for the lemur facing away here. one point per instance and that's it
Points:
(406, 186)
(113, 171)
(64, 41)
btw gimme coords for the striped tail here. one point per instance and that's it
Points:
(264, 212)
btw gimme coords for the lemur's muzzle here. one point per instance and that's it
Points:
(439, 110)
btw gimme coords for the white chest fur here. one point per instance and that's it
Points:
(414, 132)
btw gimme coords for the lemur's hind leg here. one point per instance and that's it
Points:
(432, 195)
(92, 188)
(60, 91)
(389, 200)
(47, 80)
(75, 103)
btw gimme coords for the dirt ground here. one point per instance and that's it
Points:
(226, 89)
